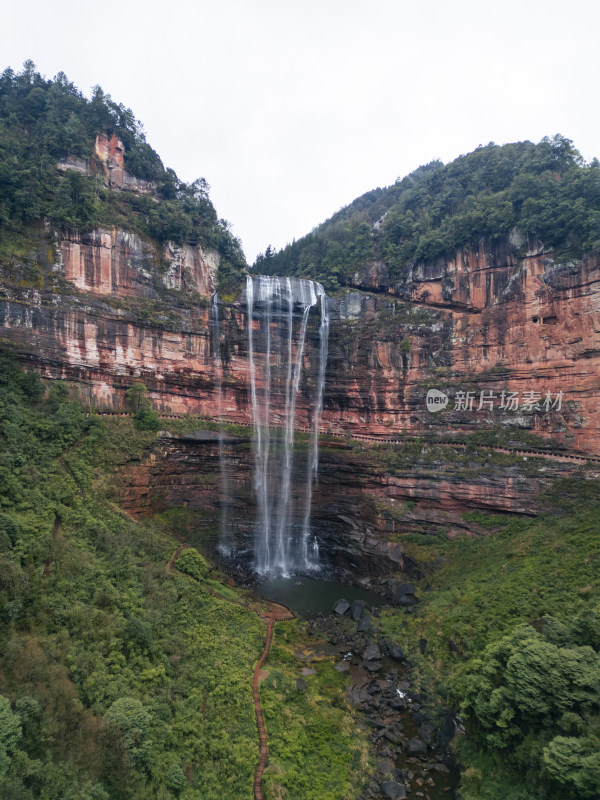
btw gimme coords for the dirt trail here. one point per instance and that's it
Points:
(274, 613)
(176, 554)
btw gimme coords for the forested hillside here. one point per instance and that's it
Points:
(543, 190)
(125, 673)
(43, 121)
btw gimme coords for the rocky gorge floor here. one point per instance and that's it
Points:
(411, 739)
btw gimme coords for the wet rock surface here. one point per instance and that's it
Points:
(341, 607)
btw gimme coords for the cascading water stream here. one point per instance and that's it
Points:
(277, 303)
(225, 544)
(313, 459)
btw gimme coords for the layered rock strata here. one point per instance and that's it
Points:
(514, 342)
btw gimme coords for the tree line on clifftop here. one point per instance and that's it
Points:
(544, 190)
(43, 121)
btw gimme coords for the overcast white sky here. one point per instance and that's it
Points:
(290, 110)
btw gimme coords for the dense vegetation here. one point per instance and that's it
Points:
(545, 190)
(510, 625)
(121, 676)
(308, 729)
(535, 696)
(43, 121)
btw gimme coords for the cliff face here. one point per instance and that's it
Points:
(117, 262)
(109, 163)
(108, 308)
(111, 307)
(430, 490)
(528, 326)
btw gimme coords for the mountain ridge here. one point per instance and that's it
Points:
(527, 192)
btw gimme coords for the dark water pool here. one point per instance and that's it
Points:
(309, 596)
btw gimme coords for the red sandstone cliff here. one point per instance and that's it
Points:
(109, 162)
(524, 326)
(122, 263)
(112, 307)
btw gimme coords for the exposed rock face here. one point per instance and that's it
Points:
(359, 528)
(483, 321)
(524, 326)
(191, 269)
(117, 262)
(111, 153)
(185, 472)
(109, 162)
(106, 314)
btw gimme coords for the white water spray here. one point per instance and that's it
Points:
(313, 459)
(277, 301)
(225, 543)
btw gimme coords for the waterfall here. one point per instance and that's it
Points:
(282, 308)
(313, 459)
(225, 544)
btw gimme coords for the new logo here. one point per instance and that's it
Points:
(436, 400)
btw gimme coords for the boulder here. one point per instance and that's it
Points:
(396, 652)
(427, 731)
(447, 733)
(341, 607)
(365, 624)
(393, 790)
(392, 736)
(405, 595)
(416, 747)
(385, 765)
(357, 609)
(372, 653)
(373, 666)
(301, 684)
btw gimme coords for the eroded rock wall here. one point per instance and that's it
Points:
(110, 309)
(362, 504)
(117, 262)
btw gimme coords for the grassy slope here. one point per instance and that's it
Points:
(309, 729)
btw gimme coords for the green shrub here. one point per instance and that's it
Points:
(534, 698)
(192, 563)
(146, 419)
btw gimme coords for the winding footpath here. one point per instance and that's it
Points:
(176, 555)
(262, 734)
(275, 613)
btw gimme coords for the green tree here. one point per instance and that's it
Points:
(137, 396)
(10, 733)
(574, 762)
(129, 716)
(535, 699)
